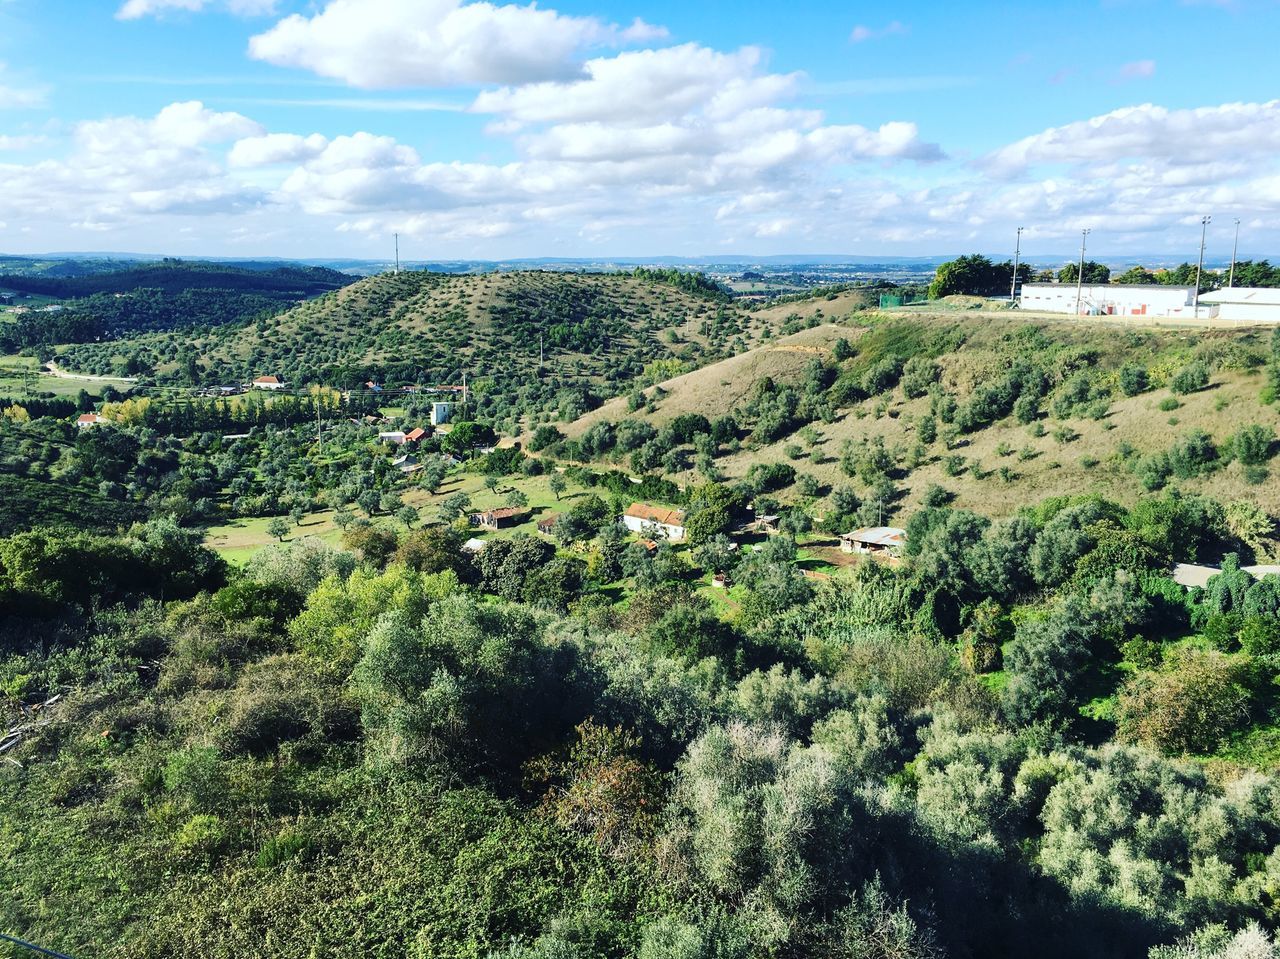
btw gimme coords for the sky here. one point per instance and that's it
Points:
(599, 128)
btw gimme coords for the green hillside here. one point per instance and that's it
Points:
(996, 410)
(421, 327)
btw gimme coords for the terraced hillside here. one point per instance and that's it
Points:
(995, 410)
(422, 327)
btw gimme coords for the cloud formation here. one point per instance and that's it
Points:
(376, 44)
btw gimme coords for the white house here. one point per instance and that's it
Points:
(1245, 304)
(397, 437)
(267, 383)
(89, 420)
(655, 521)
(440, 413)
(1109, 299)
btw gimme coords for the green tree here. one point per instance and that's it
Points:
(278, 528)
(1093, 273)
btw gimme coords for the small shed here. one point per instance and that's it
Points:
(762, 524)
(500, 518)
(874, 540)
(473, 545)
(547, 523)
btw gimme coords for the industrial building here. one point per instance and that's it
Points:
(1244, 304)
(1111, 299)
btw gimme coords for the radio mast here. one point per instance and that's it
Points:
(397, 236)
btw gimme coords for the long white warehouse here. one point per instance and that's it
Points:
(1110, 299)
(1244, 304)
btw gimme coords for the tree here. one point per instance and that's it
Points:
(558, 484)
(543, 437)
(975, 275)
(1189, 706)
(1093, 273)
(407, 515)
(454, 505)
(1135, 275)
(279, 528)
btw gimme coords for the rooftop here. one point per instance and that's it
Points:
(878, 535)
(656, 514)
(1260, 296)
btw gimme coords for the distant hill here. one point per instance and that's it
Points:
(1081, 434)
(429, 327)
(174, 276)
(148, 297)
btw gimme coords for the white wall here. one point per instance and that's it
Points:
(1107, 299)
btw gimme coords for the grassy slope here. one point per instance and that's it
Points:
(1057, 467)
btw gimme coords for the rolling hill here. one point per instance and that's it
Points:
(1082, 434)
(424, 327)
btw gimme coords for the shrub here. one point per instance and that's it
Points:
(1133, 379)
(1190, 379)
(1168, 404)
(1188, 707)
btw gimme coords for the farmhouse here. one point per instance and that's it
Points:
(1109, 299)
(267, 383)
(874, 540)
(1244, 304)
(500, 518)
(89, 420)
(655, 521)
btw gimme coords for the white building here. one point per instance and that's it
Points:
(440, 413)
(655, 521)
(267, 383)
(1110, 299)
(392, 436)
(1244, 304)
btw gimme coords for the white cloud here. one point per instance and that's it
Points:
(436, 43)
(137, 9)
(271, 148)
(1232, 130)
(122, 167)
(862, 33)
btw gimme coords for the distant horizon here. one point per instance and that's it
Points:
(709, 259)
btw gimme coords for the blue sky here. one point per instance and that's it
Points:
(316, 129)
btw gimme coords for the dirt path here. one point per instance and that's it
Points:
(52, 369)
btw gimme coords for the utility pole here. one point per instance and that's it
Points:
(1195, 303)
(1235, 246)
(541, 355)
(1084, 234)
(1017, 250)
(397, 236)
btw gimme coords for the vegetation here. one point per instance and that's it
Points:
(370, 726)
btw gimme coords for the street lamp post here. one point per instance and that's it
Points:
(1080, 273)
(1235, 246)
(1013, 285)
(1195, 303)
